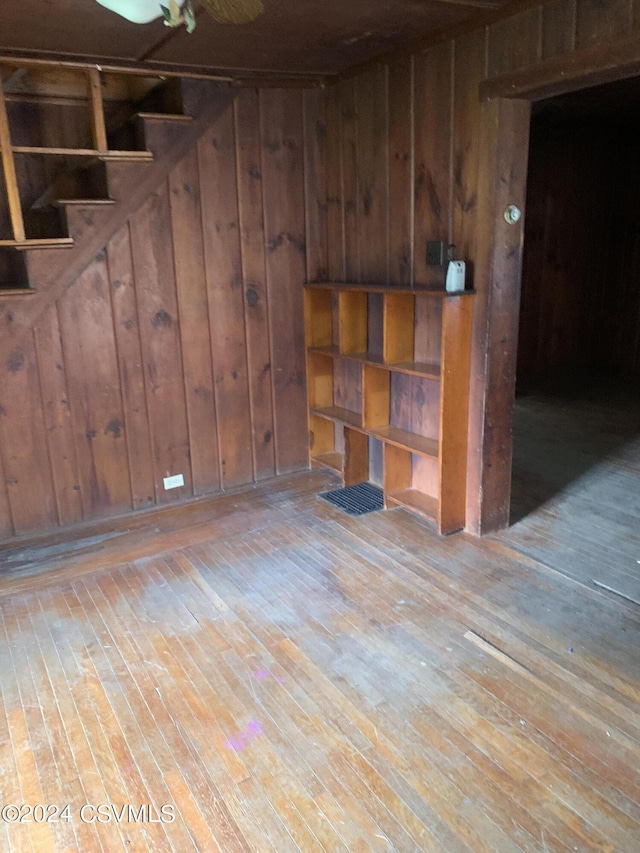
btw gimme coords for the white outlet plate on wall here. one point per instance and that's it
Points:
(174, 482)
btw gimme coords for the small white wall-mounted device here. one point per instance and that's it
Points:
(455, 276)
(174, 482)
(512, 214)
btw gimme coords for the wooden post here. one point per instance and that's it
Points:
(97, 112)
(9, 168)
(502, 181)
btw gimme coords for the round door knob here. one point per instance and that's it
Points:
(512, 214)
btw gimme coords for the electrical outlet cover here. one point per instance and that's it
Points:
(435, 253)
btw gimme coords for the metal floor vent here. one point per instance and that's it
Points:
(356, 500)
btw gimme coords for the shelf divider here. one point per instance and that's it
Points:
(356, 457)
(454, 411)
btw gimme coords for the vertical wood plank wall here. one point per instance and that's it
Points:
(403, 136)
(417, 178)
(179, 350)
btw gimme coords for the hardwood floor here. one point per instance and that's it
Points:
(286, 677)
(576, 481)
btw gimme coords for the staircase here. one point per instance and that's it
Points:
(92, 197)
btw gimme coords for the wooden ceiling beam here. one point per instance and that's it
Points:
(471, 4)
(592, 65)
(484, 18)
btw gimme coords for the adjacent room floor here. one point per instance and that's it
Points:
(287, 677)
(576, 480)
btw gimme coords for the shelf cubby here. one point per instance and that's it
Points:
(331, 459)
(322, 446)
(319, 318)
(388, 369)
(352, 322)
(398, 329)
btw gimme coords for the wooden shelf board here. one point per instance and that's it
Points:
(336, 413)
(82, 202)
(416, 501)
(46, 243)
(332, 460)
(164, 117)
(413, 368)
(416, 368)
(421, 290)
(16, 291)
(406, 440)
(332, 351)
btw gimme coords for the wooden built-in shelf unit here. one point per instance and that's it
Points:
(392, 364)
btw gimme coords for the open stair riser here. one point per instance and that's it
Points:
(119, 182)
(156, 120)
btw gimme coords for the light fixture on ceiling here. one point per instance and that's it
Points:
(144, 11)
(176, 13)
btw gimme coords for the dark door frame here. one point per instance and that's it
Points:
(502, 178)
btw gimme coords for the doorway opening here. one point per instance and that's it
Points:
(576, 464)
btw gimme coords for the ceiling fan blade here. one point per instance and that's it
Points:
(234, 11)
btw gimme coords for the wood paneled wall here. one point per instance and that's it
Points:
(581, 266)
(403, 165)
(403, 137)
(180, 349)
(389, 168)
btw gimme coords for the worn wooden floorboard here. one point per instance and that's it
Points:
(287, 677)
(576, 482)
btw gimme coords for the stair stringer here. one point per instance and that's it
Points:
(53, 271)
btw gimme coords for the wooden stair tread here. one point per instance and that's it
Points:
(133, 156)
(128, 156)
(81, 202)
(164, 117)
(38, 149)
(17, 291)
(40, 243)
